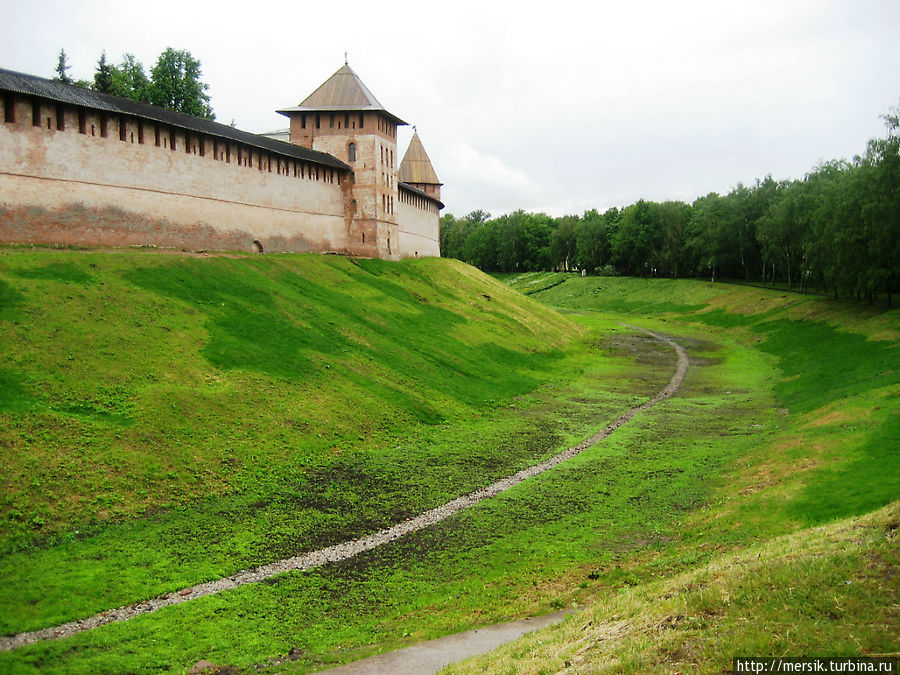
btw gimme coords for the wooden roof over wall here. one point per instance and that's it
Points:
(416, 167)
(420, 193)
(342, 92)
(31, 85)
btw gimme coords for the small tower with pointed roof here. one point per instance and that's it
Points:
(344, 119)
(416, 168)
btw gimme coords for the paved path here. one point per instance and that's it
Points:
(430, 657)
(354, 547)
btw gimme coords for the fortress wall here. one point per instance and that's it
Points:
(419, 226)
(98, 179)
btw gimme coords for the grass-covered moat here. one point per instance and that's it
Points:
(165, 420)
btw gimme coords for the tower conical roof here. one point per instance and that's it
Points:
(416, 167)
(342, 92)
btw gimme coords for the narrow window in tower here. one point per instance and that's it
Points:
(140, 132)
(351, 152)
(346, 120)
(60, 118)
(35, 112)
(303, 121)
(82, 122)
(331, 121)
(361, 120)
(318, 121)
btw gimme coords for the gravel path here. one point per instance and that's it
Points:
(433, 656)
(354, 547)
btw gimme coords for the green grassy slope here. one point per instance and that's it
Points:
(195, 416)
(134, 381)
(829, 451)
(825, 591)
(524, 552)
(838, 364)
(387, 389)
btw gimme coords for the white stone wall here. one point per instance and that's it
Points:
(419, 228)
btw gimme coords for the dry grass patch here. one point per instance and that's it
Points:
(830, 590)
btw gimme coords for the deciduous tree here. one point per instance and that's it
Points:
(176, 84)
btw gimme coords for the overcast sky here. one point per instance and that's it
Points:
(551, 106)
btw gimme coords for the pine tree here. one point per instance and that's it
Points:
(103, 77)
(62, 68)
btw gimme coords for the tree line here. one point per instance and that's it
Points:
(174, 82)
(837, 231)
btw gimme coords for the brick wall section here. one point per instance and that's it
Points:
(79, 176)
(75, 186)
